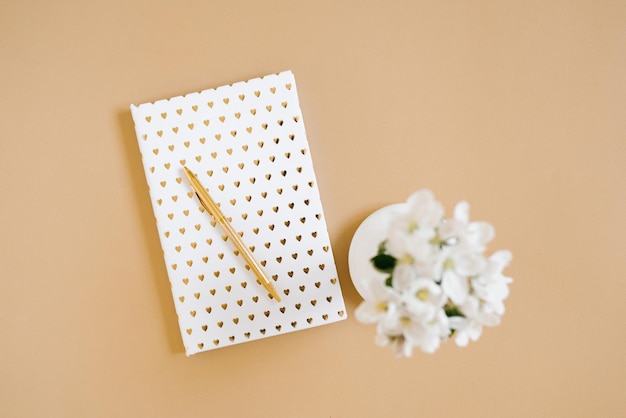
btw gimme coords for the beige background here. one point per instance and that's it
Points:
(517, 107)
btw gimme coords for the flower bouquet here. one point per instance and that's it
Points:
(430, 279)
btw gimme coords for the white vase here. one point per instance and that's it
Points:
(364, 246)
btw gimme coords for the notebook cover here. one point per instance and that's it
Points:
(247, 144)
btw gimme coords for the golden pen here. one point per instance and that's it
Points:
(216, 213)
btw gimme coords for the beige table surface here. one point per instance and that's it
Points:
(517, 107)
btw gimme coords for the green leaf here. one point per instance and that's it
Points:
(389, 281)
(384, 263)
(452, 310)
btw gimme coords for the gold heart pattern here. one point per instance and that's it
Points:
(247, 144)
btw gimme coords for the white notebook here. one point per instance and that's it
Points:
(246, 143)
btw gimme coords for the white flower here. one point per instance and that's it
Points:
(459, 266)
(428, 335)
(491, 285)
(404, 331)
(424, 299)
(465, 330)
(410, 235)
(438, 269)
(379, 302)
(404, 276)
(472, 236)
